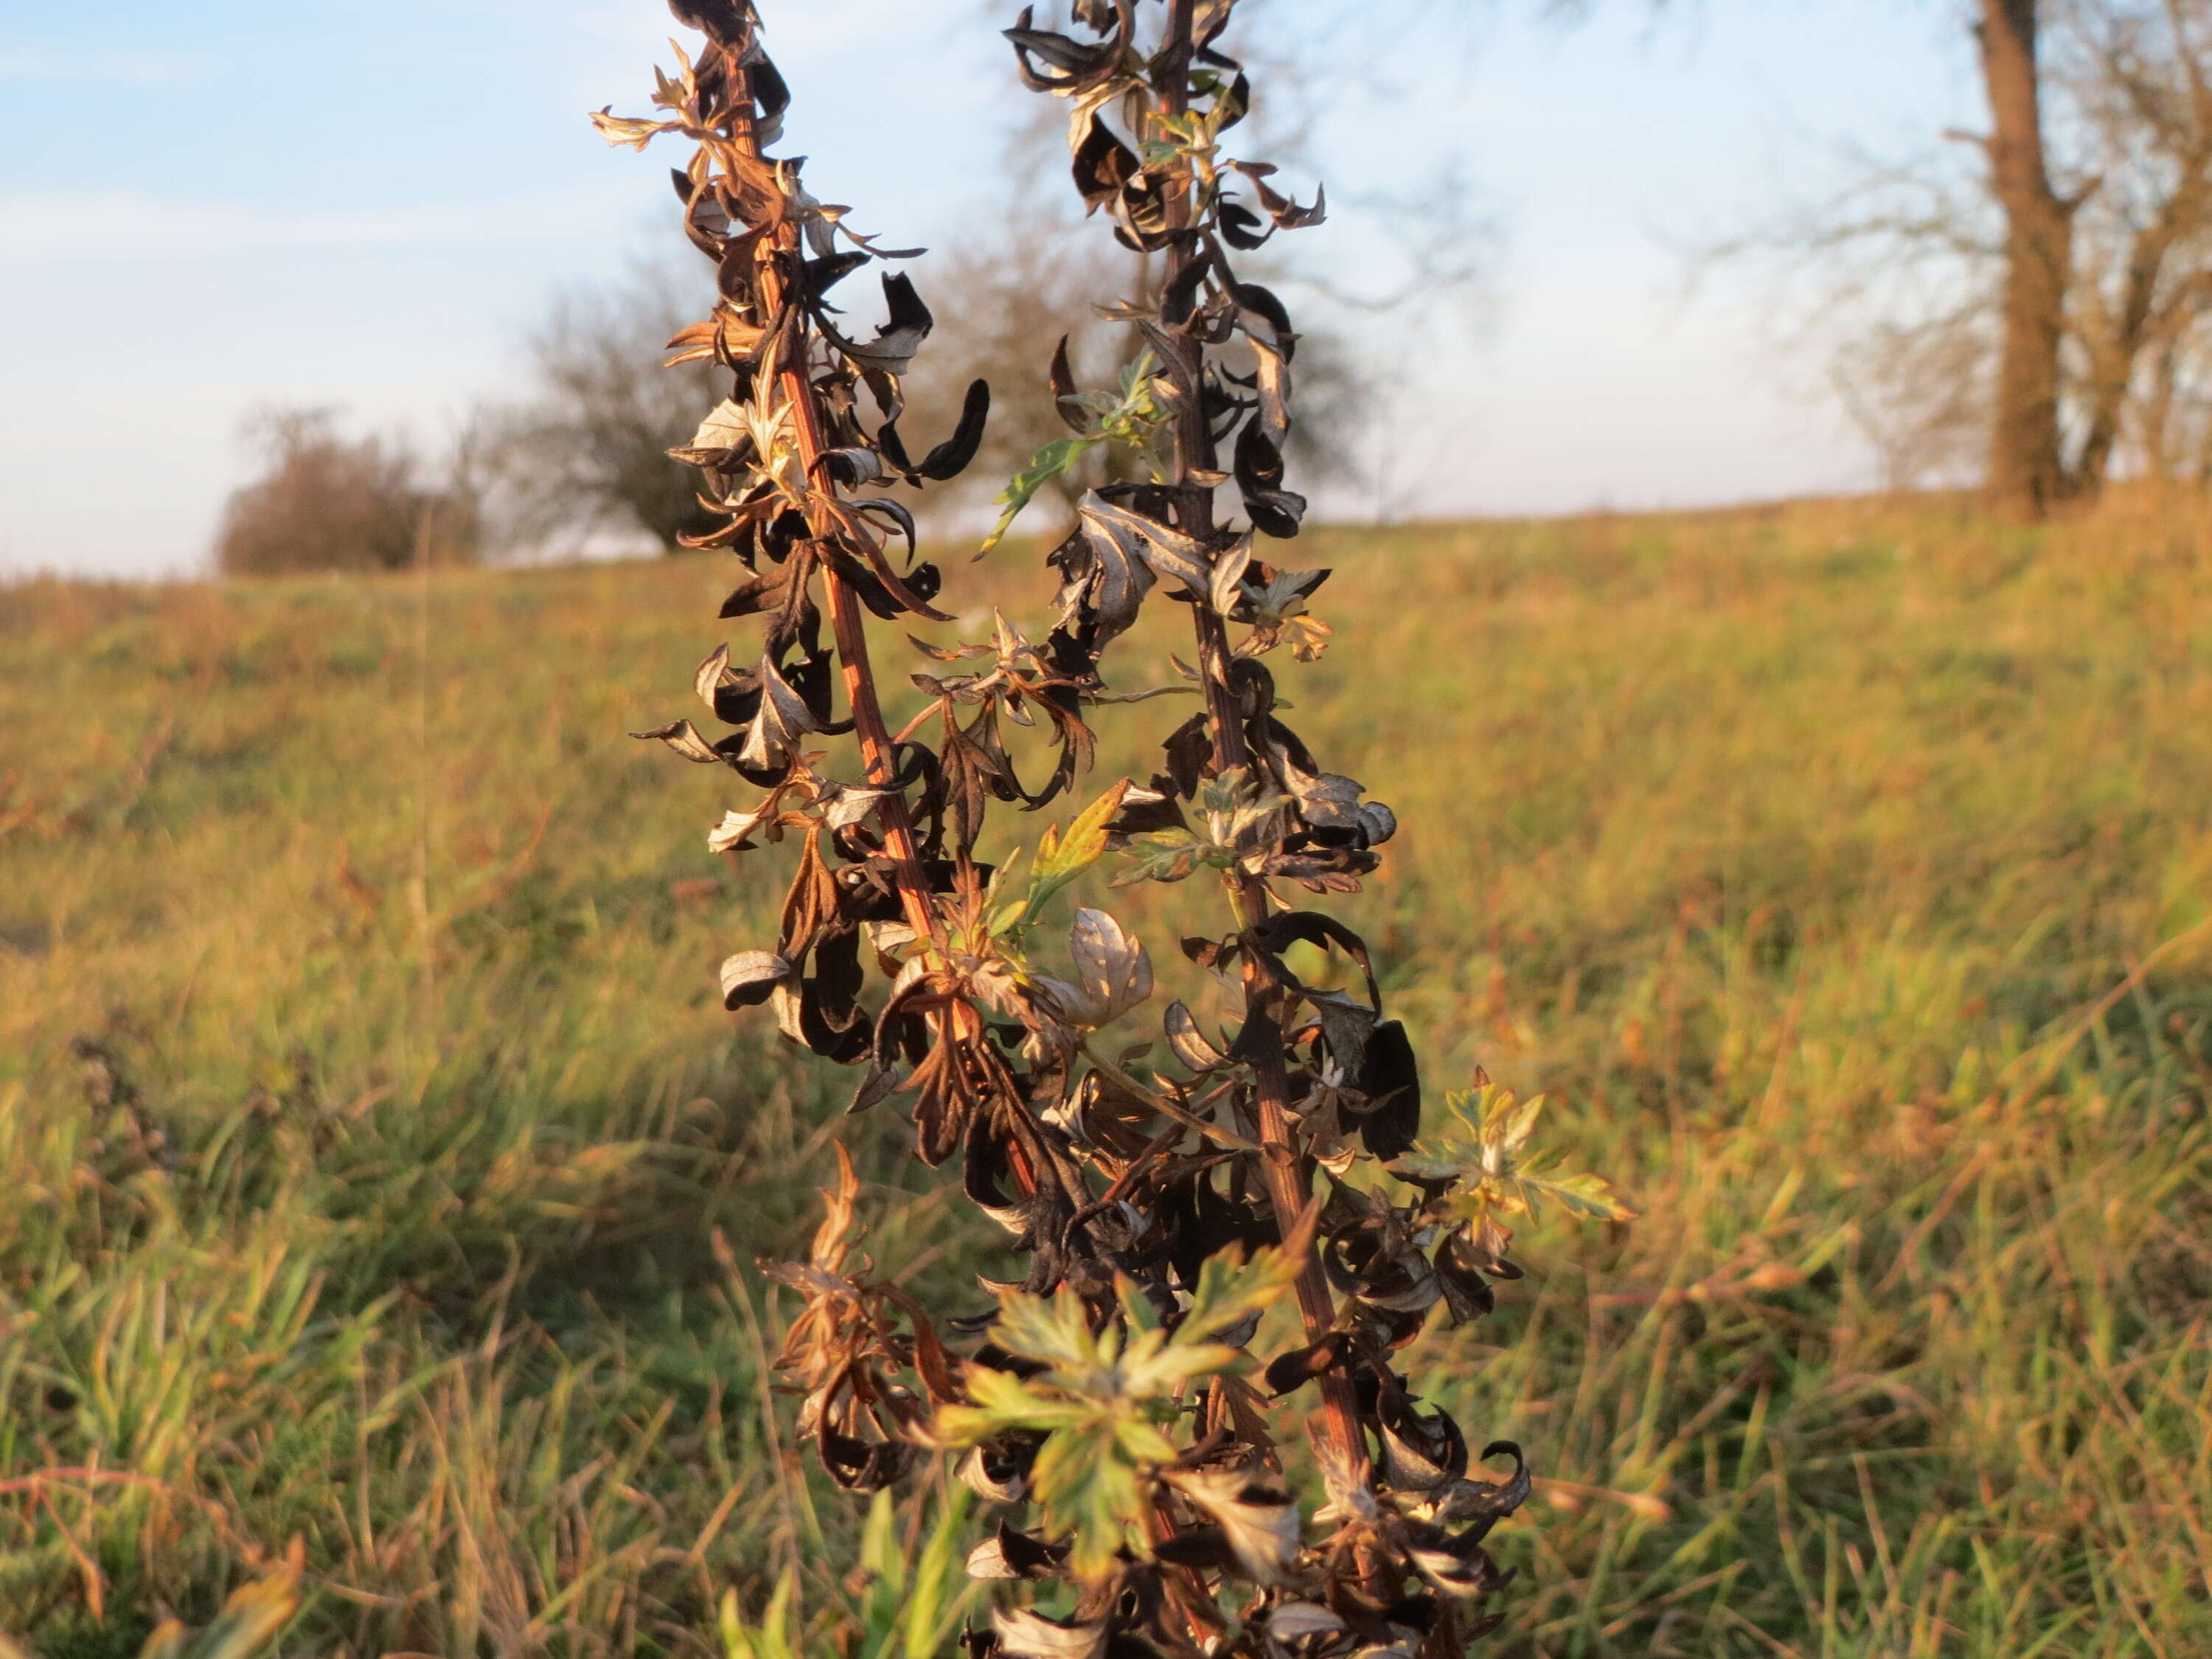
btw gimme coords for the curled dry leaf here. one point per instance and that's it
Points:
(1026, 1635)
(1258, 1520)
(1115, 973)
(748, 977)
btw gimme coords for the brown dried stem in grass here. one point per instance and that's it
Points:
(1165, 1204)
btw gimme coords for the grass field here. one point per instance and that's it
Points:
(1842, 873)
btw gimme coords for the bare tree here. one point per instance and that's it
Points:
(2025, 468)
(589, 451)
(2139, 80)
(2039, 291)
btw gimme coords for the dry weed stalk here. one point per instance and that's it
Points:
(1162, 1212)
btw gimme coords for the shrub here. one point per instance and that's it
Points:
(326, 502)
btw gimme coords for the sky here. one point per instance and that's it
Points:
(211, 208)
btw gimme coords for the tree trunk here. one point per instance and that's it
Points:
(2026, 475)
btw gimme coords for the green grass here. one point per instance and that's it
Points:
(1841, 873)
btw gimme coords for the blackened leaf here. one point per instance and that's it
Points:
(1179, 296)
(863, 1466)
(1205, 1547)
(1455, 1565)
(783, 718)
(950, 459)
(1275, 511)
(1286, 1371)
(1327, 801)
(1009, 1554)
(1505, 1498)
(1377, 822)
(1190, 751)
(1102, 164)
(1144, 810)
(1169, 551)
(1345, 1021)
(880, 1084)
(1123, 574)
(1000, 1470)
(749, 977)
(1391, 1079)
(854, 466)
(842, 1033)
(750, 597)
(983, 1178)
(1241, 228)
(892, 349)
(1419, 1451)
(1061, 379)
(1211, 954)
(1275, 933)
(1081, 66)
(723, 22)
(1467, 1294)
(824, 274)
(1263, 319)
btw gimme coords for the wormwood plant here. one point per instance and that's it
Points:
(1166, 1204)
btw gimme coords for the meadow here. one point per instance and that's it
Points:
(379, 1171)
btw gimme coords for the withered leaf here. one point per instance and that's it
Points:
(1391, 1078)
(1286, 1371)
(684, 737)
(950, 459)
(736, 827)
(1061, 381)
(1008, 1553)
(749, 977)
(1169, 552)
(1257, 1518)
(782, 720)
(1026, 1635)
(1115, 973)
(1189, 1043)
(892, 349)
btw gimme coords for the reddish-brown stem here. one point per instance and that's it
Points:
(849, 629)
(878, 754)
(1289, 1188)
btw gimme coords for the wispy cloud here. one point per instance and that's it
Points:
(31, 64)
(49, 227)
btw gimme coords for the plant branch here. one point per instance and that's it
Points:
(879, 754)
(1282, 1168)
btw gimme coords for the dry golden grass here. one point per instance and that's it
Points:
(1841, 872)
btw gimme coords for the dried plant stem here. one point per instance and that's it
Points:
(879, 754)
(1161, 1206)
(1289, 1189)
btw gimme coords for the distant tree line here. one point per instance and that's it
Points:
(584, 453)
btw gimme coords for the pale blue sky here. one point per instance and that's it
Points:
(207, 207)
